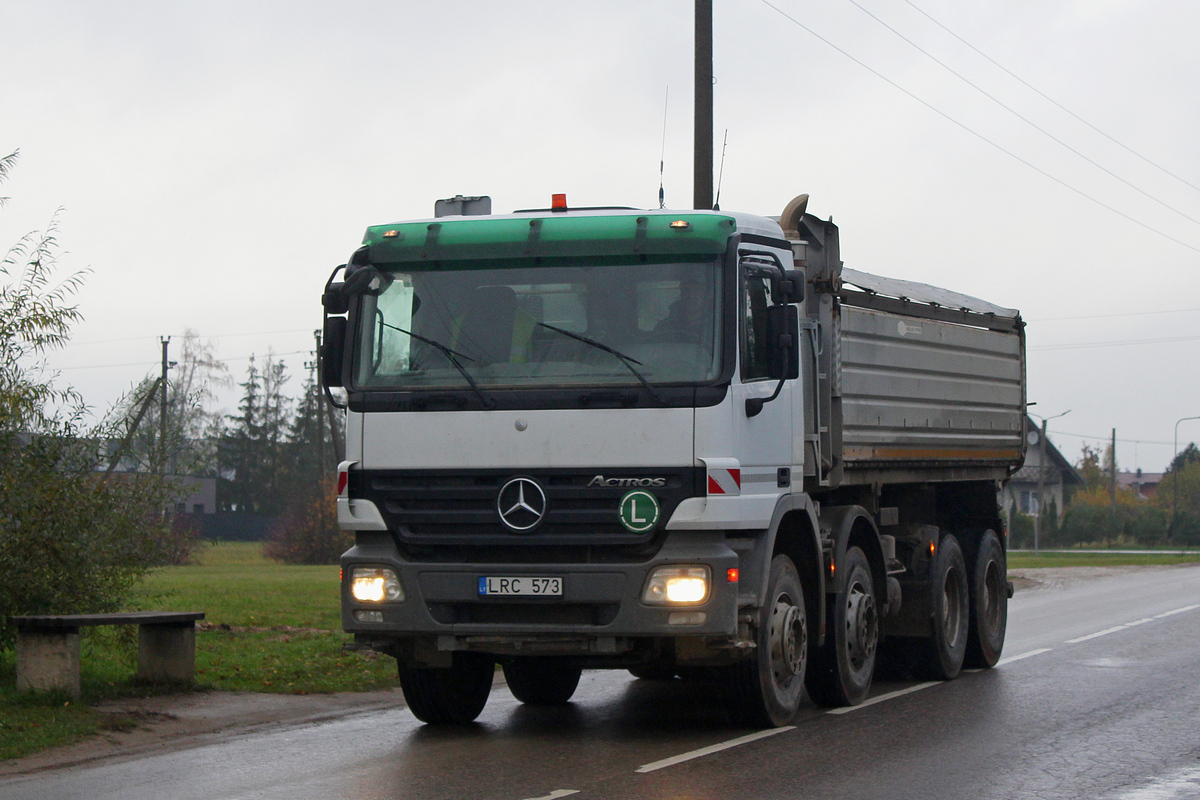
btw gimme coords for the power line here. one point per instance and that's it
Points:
(1125, 314)
(1089, 345)
(156, 363)
(1050, 99)
(1021, 116)
(975, 133)
(72, 343)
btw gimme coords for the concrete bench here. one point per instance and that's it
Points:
(48, 647)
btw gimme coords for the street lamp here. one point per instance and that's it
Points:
(1175, 478)
(1037, 518)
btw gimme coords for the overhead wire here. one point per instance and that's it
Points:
(1051, 100)
(977, 134)
(1021, 116)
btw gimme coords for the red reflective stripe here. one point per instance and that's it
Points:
(343, 479)
(736, 474)
(714, 487)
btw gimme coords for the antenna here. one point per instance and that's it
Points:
(721, 173)
(662, 156)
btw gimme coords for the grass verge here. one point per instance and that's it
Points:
(1082, 558)
(268, 627)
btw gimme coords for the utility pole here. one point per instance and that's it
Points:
(702, 142)
(320, 401)
(1037, 518)
(162, 413)
(1112, 485)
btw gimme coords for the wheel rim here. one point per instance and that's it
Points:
(861, 622)
(952, 600)
(788, 641)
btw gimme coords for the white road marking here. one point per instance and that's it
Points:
(1019, 656)
(715, 748)
(1097, 634)
(1116, 628)
(557, 793)
(1182, 784)
(1177, 611)
(881, 698)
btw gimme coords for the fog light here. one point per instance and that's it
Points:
(677, 586)
(687, 618)
(363, 615)
(375, 585)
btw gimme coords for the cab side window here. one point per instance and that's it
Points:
(756, 299)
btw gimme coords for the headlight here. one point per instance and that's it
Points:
(677, 586)
(375, 585)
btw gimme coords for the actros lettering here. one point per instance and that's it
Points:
(600, 480)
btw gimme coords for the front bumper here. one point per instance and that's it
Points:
(600, 609)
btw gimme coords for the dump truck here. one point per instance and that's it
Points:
(687, 444)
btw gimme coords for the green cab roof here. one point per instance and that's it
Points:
(550, 235)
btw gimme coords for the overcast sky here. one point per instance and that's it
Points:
(214, 161)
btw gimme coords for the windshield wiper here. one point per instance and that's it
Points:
(488, 402)
(626, 360)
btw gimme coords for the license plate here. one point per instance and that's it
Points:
(524, 586)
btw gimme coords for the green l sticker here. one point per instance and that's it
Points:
(638, 511)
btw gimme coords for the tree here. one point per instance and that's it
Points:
(253, 457)
(70, 539)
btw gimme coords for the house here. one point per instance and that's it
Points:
(1054, 474)
(1143, 484)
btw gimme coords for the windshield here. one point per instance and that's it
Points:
(542, 326)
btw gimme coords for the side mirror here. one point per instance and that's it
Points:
(783, 332)
(333, 342)
(789, 287)
(335, 300)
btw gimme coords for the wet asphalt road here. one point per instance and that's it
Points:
(1098, 697)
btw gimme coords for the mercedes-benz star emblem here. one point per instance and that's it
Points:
(521, 504)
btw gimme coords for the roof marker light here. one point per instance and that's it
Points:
(681, 224)
(558, 202)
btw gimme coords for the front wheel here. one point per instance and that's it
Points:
(989, 603)
(765, 691)
(842, 668)
(449, 696)
(540, 681)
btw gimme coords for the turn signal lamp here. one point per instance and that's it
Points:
(677, 586)
(375, 585)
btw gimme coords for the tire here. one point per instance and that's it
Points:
(541, 681)
(449, 696)
(989, 604)
(652, 672)
(939, 657)
(841, 669)
(765, 691)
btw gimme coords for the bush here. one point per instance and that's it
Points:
(71, 541)
(308, 532)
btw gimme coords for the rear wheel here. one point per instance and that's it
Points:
(454, 695)
(940, 655)
(841, 672)
(989, 603)
(766, 690)
(541, 681)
